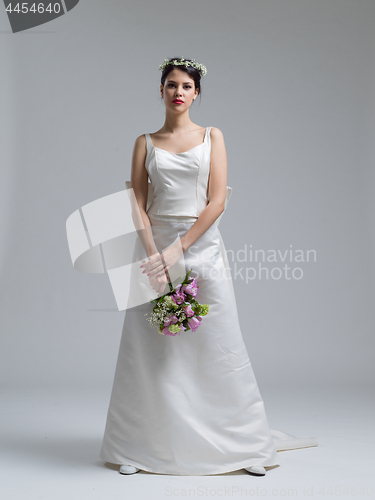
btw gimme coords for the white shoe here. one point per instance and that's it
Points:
(257, 470)
(128, 469)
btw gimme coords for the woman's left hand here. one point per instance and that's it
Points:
(156, 267)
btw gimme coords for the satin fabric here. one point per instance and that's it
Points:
(179, 180)
(189, 404)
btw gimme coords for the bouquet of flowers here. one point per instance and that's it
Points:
(178, 310)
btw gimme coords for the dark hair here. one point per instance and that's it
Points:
(192, 72)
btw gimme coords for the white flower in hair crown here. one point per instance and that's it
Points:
(181, 62)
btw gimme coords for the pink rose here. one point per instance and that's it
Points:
(171, 320)
(194, 322)
(166, 331)
(191, 288)
(188, 311)
(178, 297)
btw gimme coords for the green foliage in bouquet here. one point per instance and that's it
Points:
(178, 310)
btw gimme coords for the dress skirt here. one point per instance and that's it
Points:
(188, 404)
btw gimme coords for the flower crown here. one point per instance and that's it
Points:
(181, 62)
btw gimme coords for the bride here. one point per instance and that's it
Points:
(186, 402)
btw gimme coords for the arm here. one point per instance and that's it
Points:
(139, 183)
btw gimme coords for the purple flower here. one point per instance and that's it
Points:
(194, 322)
(171, 320)
(188, 311)
(166, 331)
(173, 330)
(179, 297)
(191, 288)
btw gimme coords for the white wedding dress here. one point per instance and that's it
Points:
(189, 404)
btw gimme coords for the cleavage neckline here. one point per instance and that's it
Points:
(184, 152)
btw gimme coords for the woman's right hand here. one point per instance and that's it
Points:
(155, 262)
(158, 282)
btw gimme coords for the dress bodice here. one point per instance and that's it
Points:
(179, 180)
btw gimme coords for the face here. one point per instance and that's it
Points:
(179, 86)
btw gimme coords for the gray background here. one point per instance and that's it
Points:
(291, 85)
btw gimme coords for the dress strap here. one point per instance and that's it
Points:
(148, 142)
(207, 136)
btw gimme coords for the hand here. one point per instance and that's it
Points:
(154, 264)
(159, 263)
(157, 282)
(171, 255)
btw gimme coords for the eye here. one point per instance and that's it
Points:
(172, 85)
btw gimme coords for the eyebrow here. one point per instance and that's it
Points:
(172, 81)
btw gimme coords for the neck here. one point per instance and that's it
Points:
(177, 122)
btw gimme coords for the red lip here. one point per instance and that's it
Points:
(178, 101)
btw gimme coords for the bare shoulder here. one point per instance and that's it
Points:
(216, 132)
(218, 151)
(217, 138)
(217, 135)
(140, 142)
